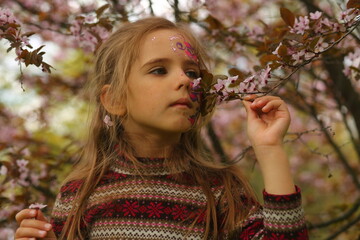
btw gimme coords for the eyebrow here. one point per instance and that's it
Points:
(164, 60)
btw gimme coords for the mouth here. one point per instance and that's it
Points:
(182, 102)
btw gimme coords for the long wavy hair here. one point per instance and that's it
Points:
(112, 66)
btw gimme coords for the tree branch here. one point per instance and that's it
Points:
(354, 141)
(176, 11)
(151, 8)
(216, 143)
(311, 7)
(341, 156)
(341, 218)
(344, 228)
(343, 90)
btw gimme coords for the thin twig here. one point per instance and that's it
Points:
(338, 219)
(344, 228)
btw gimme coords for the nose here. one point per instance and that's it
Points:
(183, 81)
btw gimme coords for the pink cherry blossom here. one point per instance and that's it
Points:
(301, 25)
(264, 76)
(316, 15)
(37, 206)
(219, 85)
(22, 163)
(321, 45)
(108, 122)
(196, 82)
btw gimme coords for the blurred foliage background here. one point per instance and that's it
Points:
(43, 115)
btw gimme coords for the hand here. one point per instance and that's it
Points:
(268, 120)
(32, 225)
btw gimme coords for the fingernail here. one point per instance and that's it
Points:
(33, 212)
(48, 226)
(42, 233)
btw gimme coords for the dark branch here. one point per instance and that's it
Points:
(344, 228)
(345, 162)
(176, 11)
(338, 219)
(311, 7)
(151, 8)
(216, 143)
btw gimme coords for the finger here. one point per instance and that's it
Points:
(29, 232)
(276, 104)
(250, 98)
(262, 101)
(32, 223)
(251, 113)
(25, 213)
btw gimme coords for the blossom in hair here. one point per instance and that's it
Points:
(108, 122)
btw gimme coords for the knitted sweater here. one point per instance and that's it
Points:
(150, 203)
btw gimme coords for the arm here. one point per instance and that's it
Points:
(281, 216)
(268, 121)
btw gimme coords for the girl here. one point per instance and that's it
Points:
(144, 173)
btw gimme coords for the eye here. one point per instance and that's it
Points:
(159, 71)
(192, 74)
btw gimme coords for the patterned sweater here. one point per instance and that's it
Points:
(150, 203)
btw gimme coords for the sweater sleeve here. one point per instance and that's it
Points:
(63, 205)
(281, 217)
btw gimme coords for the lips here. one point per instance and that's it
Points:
(183, 102)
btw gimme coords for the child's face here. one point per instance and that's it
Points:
(158, 96)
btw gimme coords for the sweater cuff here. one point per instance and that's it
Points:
(287, 198)
(283, 213)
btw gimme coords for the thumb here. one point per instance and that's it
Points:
(40, 216)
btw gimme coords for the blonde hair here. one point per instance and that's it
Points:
(112, 66)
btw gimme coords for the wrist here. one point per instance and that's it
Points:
(275, 169)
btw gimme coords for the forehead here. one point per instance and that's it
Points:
(165, 42)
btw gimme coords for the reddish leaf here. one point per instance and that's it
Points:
(106, 23)
(282, 51)
(268, 58)
(275, 65)
(353, 4)
(27, 34)
(101, 10)
(236, 72)
(287, 16)
(213, 22)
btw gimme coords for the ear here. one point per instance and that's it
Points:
(116, 108)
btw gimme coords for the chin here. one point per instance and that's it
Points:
(182, 127)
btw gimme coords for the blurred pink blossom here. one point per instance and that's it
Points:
(6, 16)
(3, 170)
(316, 15)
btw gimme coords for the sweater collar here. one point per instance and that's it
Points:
(148, 166)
